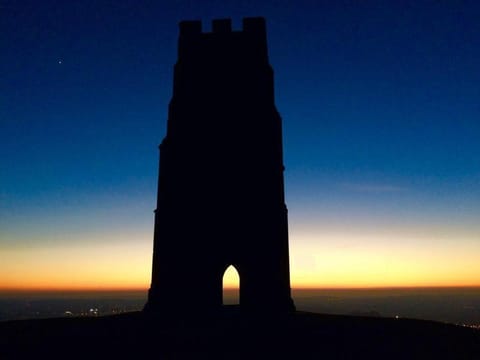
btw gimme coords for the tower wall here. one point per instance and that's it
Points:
(220, 189)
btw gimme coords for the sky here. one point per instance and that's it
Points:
(381, 120)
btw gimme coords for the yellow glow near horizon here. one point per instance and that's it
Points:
(328, 260)
(337, 260)
(109, 266)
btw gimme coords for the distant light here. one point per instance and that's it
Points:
(60, 61)
(396, 316)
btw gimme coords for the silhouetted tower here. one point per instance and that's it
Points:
(220, 189)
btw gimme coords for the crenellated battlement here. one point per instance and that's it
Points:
(194, 43)
(250, 25)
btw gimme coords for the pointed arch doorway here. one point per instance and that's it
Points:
(231, 286)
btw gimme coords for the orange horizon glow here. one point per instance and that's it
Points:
(44, 286)
(145, 290)
(319, 260)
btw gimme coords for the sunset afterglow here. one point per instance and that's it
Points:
(352, 261)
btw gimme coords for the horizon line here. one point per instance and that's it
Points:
(293, 288)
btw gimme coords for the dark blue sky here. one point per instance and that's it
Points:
(380, 106)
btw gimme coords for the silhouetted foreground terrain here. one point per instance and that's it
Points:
(232, 335)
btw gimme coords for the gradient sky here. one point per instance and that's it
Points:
(381, 114)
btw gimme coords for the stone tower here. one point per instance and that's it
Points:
(220, 186)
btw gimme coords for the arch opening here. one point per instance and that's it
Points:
(231, 286)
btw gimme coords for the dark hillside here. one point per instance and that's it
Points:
(231, 335)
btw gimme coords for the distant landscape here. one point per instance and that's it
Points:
(451, 305)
